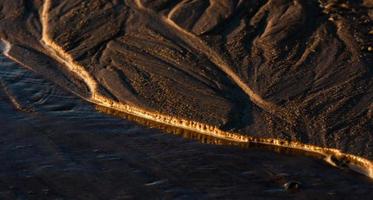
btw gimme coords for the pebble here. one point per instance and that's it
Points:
(292, 186)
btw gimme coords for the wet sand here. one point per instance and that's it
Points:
(56, 146)
(289, 80)
(233, 65)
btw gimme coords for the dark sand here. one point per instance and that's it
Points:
(307, 63)
(298, 70)
(55, 146)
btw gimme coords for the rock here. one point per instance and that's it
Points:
(292, 186)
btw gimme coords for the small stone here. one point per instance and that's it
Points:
(345, 5)
(340, 162)
(292, 186)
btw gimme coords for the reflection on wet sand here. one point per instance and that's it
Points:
(332, 156)
(341, 161)
(65, 149)
(205, 139)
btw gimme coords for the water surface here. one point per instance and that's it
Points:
(55, 146)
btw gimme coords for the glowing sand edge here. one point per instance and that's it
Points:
(356, 163)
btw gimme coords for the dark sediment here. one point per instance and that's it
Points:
(53, 145)
(311, 61)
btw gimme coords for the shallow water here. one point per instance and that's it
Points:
(55, 146)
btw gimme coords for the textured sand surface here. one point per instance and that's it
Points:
(296, 70)
(54, 145)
